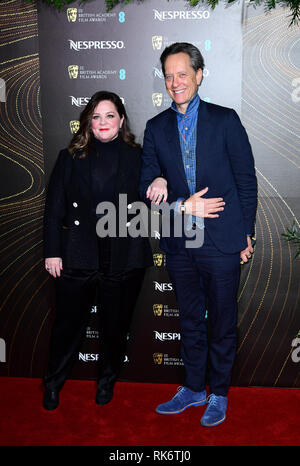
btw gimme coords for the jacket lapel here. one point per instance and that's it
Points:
(204, 129)
(172, 136)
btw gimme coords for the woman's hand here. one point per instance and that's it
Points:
(204, 207)
(53, 265)
(246, 254)
(157, 191)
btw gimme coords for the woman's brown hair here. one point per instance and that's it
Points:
(82, 140)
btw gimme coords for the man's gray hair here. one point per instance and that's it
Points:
(183, 47)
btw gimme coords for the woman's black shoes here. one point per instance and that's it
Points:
(104, 394)
(51, 399)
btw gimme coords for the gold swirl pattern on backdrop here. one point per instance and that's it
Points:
(23, 300)
(18, 21)
(269, 292)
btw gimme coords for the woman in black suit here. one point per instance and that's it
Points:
(101, 162)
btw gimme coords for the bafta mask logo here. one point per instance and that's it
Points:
(157, 358)
(157, 42)
(74, 126)
(157, 99)
(158, 259)
(72, 14)
(73, 71)
(157, 309)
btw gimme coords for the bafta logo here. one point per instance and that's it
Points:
(158, 259)
(157, 358)
(73, 71)
(72, 14)
(157, 99)
(157, 309)
(74, 126)
(156, 42)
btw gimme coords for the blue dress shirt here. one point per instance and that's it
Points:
(187, 127)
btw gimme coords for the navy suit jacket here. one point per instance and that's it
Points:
(224, 164)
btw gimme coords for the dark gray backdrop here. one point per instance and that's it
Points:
(252, 65)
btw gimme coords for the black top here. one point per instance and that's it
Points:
(104, 169)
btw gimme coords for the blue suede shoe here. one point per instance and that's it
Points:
(215, 411)
(182, 400)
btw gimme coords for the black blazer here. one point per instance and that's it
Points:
(69, 219)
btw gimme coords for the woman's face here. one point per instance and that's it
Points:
(106, 121)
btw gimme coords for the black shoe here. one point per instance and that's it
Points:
(104, 394)
(51, 399)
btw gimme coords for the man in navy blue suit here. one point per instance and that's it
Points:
(197, 155)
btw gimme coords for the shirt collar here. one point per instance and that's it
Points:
(191, 109)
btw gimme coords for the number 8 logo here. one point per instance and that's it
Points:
(122, 17)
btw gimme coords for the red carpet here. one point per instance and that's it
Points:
(255, 417)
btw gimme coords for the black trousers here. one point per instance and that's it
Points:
(116, 295)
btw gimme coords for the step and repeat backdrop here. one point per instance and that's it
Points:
(252, 64)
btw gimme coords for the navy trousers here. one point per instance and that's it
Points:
(205, 279)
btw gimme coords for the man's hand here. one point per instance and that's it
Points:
(53, 265)
(199, 207)
(246, 254)
(157, 191)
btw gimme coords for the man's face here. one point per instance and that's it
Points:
(181, 79)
